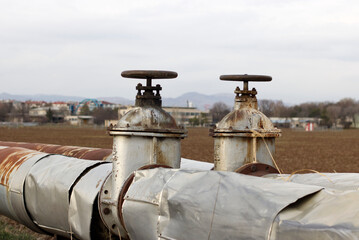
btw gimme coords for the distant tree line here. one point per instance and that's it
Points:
(100, 114)
(330, 112)
(9, 112)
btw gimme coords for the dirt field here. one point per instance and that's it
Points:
(324, 151)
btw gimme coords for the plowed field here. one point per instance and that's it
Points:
(324, 151)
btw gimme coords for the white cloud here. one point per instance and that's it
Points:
(81, 47)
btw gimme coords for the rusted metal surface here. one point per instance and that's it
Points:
(70, 151)
(148, 119)
(152, 74)
(256, 169)
(245, 77)
(246, 121)
(15, 163)
(11, 159)
(148, 95)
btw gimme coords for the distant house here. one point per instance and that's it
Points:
(294, 122)
(112, 106)
(355, 123)
(189, 115)
(36, 104)
(79, 120)
(40, 114)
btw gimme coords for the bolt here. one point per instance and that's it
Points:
(106, 211)
(253, 168)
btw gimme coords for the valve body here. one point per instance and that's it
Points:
(245, 135)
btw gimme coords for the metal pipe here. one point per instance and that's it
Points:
(47, 192)
(70, 151)
(96, 153)
(182, 204)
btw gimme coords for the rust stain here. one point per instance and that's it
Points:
(70, 151)
(10, 160)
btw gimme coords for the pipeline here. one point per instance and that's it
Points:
(138, 190)
(87, 153)
(165, 203)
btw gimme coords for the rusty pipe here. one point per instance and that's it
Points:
(70, 151)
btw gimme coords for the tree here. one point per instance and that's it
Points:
(194, 121)
(102, 114)
(85, 110)
(5, 109)
(273, 108)
(49, 115)
(218, 111)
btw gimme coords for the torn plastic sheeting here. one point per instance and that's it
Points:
(325, 215)
(338, 181)
(184, 204)
(195, 165)
(83, 199)
(47, 190)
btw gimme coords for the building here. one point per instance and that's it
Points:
(79, 120)
(43, 114)
(294, 122)
(355, 123)
(189, 116)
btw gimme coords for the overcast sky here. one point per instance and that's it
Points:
(80, 48)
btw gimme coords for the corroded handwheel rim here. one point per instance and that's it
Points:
(149, 74)
(245, 77)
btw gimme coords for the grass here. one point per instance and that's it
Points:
(13, 232)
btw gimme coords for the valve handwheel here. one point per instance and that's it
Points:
(149, 74)
(246, 78)
(148, 95)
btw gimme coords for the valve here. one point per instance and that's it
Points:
(247, 96)
(146, 135)
(145, 94)
(245, 135)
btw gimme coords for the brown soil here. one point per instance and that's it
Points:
(325, 151)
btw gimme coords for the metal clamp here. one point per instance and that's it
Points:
(257, 169)
(127, 185)
(148, 97)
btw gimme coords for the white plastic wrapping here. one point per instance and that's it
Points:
(195, 165)
(184, 204)
(47, 191)
(83, 199)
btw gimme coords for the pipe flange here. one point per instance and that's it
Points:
(256, 169)
(127, 185)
